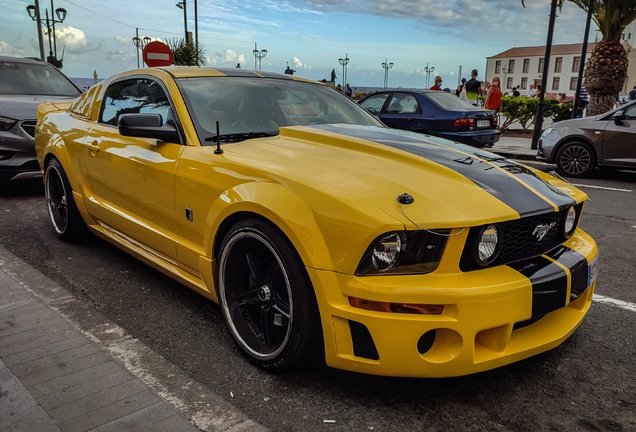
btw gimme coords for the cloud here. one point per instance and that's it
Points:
(72, 40)
(225, 58)
(298, 65)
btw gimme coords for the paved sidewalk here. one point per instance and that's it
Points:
(53, 378)
(514, 148)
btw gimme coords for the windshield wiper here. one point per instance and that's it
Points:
(236, 137)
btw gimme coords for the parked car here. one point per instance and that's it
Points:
(579, 145)
(436, 113)
(319, 231)
(24, 84)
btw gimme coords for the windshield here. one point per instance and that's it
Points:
(259, 106)
(39, 79)
(449, 101)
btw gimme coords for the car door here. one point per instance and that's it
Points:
(619, 140)
(402, 111)
(132, 179)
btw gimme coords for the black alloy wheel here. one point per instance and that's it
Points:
(267, 298)
(575, 159)
(65, 217)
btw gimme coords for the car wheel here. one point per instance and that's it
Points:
(63, 212)
(575, 159)
(267, 298)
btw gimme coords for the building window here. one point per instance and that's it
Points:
(555, 83)
(576, 64)
(498, 67)
(540, 65)
(573, 82)
(524, 82)
(509, 83)
(526, 65)
(511, 66)
(557, 64)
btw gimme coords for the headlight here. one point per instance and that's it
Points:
(488, 245)
(547, 132)
(570, 222)
(404, 252)
(6, 123)
(386, 252)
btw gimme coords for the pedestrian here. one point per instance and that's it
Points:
(493, 96)
(584, 99)
(473, 88)
(537, 95)
(632, 94)
(438, 84)
(515, 92)
(460, 87)
(532, 91)
(348, 90)
(339, 87)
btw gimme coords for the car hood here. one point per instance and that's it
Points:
(23, 107)
(452, 185)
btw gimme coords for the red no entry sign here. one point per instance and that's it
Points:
(157, 54)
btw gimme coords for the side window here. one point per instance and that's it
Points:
(374, 103)
(137, 96)
(403, 103)
(630, 113)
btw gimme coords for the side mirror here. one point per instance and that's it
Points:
(618, 117)
(147, 126)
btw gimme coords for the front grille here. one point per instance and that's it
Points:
(29, 127)
(519, 239)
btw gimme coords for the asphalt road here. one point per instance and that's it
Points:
(586, 384)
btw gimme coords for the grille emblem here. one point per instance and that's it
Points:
(541, 230)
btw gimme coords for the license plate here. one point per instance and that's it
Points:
(592, 271)
(483, 123)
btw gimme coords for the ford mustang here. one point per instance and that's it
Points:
(321, 233)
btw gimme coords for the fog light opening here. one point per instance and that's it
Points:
(425, 343)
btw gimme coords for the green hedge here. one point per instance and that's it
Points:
(522, 110)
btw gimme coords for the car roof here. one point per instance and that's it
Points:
(31, 60)
(199, 71)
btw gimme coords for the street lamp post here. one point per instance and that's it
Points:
(428, 71)
(182, 5)
(504, 85)
(49, 24)
(386, 65)
(258, 55)
(140, 43)
(344, 62)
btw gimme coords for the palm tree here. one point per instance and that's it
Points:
(606, 70)
(186, 53)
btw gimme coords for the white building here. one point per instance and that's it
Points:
(521, 66)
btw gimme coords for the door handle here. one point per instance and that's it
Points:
(92, 147)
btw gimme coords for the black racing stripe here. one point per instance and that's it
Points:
(478, 167)
(549, 284)
(578, 266)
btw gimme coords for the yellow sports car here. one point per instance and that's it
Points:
(320, 232)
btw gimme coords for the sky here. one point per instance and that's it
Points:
(308, 35)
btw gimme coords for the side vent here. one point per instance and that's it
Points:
(363, 345)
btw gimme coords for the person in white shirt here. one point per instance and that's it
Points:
(532, 91)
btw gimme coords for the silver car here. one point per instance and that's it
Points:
(578, 146)
(25, 84)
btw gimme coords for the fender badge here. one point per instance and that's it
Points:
(541, 230)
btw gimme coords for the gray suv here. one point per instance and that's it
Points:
(578, 146)
(25, 84)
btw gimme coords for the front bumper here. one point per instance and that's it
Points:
(17, 153)
(476, 138)
(492, 317)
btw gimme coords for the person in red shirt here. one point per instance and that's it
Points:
(493, 97)
(438, 84)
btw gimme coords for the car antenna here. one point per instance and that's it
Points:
(218, 150)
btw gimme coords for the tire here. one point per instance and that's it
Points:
(267, 299)
(65, 217)
(575, 159)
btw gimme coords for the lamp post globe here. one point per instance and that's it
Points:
(344, 62)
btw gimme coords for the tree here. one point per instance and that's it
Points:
(186, 53)
(606, 70)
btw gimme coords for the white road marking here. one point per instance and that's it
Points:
(618, 303)
(601, 187)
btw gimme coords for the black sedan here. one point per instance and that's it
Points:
(435, 113)
(578, 146)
